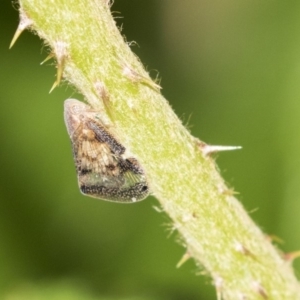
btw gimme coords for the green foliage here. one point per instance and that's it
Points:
(57, 291)
(235, 67)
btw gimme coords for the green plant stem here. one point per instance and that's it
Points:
(214, 227)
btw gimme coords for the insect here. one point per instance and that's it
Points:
(103, 170)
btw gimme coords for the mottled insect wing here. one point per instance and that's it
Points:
(103, 170)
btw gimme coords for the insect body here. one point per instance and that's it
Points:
(103, 170)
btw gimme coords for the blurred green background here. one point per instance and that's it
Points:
(231, 69)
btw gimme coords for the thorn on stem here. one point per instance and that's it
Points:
(218, 282)
(274, 238)
(158, 209)
(208, 149)
(243, 250)
(60, 51)
(291, 256)
(260, 289)
(186, 256)
(24, 23)
(103, 94)
(51, 55)
(223, 189)
(136, 77)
